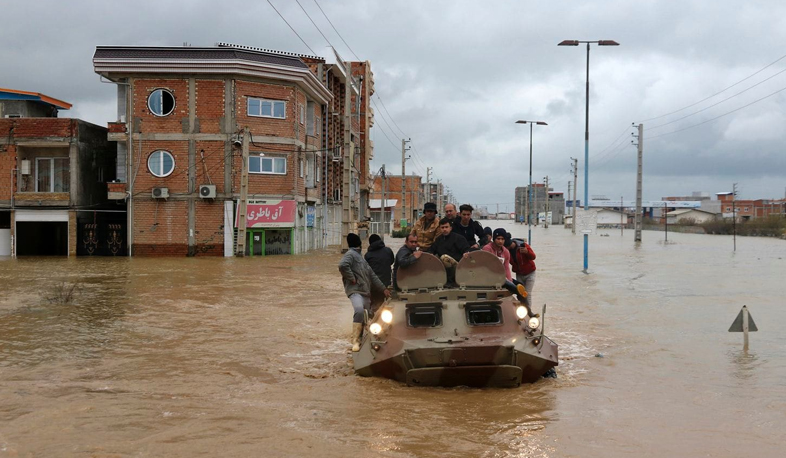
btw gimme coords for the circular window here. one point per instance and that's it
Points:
(161, 102)
(161, 163)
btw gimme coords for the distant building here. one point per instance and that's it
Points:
(393, 190)
(694, 215)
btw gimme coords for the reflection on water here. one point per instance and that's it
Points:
(248, 357)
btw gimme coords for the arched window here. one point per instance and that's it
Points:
(161, 163)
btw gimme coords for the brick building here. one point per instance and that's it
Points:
(53, 175)
(393, 189)
(181, 113)
(750, 209)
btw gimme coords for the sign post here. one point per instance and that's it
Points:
(744, 323)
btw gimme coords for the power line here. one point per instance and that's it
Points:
(717, 103)
(389, 115)
(293, 29)
(719, 116)
(312, 21)
(720, 92)
(334, 29)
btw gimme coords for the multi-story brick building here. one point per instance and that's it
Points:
(181, 114)
(53, 175)
(750, 208)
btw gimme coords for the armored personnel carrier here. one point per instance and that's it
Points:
(477, 334)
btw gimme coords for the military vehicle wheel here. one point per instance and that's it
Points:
(551, 373)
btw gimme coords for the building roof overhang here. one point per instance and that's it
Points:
(120, 61)
(15, 94)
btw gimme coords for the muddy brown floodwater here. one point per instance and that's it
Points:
(248, 357)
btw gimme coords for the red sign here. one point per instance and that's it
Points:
(272, 213)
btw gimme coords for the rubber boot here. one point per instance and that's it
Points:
(357, 329)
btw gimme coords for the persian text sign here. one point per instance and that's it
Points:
(270, 213)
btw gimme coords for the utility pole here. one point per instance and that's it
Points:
(346, 223)
(439, 194)
(666, 219)
(569, 183)
(404, 148)
(537, 213)
(428, 183)
(575, 187)
(637, 220)
(384, 203)
(734, 214)
(622, 217)
(243, 204)
(546, 222)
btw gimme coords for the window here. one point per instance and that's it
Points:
(728, 209)
(161, 163)
(302, 168)
(267, 165)
(161, 102)
(424, 316)
(310, 128)
(319, 171)
(319, 126)
(302, 113)
(484, 315)
(266, 108)
(53, 174)
(745, 209)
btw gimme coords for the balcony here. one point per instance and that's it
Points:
(42, 199)
(118, 132)
(313, 194)
(116, 191)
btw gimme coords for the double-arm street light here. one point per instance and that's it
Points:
(586, 136)
(529, 189)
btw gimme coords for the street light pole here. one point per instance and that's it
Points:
(586, 134)
(529, 189)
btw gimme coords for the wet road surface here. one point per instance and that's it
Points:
(249, 357)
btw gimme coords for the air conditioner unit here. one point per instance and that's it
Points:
(160, 193)
(336, 154)
(207, 191)
(24, 168)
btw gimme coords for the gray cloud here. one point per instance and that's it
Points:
(455, 76)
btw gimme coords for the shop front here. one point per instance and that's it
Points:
(270, 227)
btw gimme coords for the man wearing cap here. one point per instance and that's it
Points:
(427, 226)
(359, 282)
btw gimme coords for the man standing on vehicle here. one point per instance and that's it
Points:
(469, 228)
(359, 282)
(524, 266)
(427, 226)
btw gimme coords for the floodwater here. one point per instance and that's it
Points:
(248, 357)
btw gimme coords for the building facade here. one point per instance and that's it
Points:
(181, 121)
(53, 181)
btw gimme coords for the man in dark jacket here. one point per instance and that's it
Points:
(468, 227)
(406, 256)
(449, 247)
(380, 258)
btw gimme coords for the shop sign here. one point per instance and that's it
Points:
(269, 213)
(311, 213)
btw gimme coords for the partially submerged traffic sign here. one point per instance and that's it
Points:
(744, 323)
(739, 324)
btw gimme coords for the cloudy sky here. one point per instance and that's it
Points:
(454, 76)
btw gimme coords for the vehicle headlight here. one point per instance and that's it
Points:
(375, 328)
(522, 312)
(533, 322)
(387, 316)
